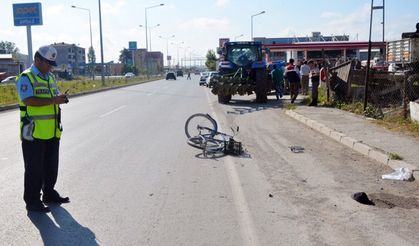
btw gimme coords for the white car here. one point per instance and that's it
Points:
(203, 78)
(129, 75)
(210, 76)
(10, 79)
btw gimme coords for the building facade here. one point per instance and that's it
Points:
(70, 58)
(148, 61)
(13, 65)
(319, 47)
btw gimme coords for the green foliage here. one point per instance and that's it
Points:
(124, 56)
(394, 156)
(91, 57)
(127, 69)
(211, 60)
(7, 47)
(358, 108)
(8, 94)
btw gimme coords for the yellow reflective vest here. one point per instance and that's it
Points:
(47, 118)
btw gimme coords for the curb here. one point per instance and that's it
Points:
(15, 106)
(357, 145)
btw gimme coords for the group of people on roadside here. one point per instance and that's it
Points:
(298, 79)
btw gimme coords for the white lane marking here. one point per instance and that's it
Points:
(112, 111)
(4, 158)
(247, 227)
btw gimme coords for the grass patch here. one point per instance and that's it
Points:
(394, 156)
(8, 94)
(321, 98)
(291, 106)
(400, 124)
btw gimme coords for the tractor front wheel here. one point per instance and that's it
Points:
(224, 99)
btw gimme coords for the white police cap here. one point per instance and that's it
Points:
(49, 53)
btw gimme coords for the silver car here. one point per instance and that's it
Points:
(203, 78)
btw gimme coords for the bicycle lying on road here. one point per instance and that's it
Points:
(202, 133)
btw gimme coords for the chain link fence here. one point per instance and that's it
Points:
(388, 92)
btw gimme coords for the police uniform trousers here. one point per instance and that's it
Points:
(41, 168)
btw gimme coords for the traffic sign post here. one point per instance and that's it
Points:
(27, 14)
(132, 46)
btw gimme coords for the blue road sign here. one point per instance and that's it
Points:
(27, 14)
(132, 45)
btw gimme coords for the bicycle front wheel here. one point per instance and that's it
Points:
(200, 124)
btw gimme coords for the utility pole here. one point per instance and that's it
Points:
(101, 46)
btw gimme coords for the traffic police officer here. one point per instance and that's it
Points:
(40, 125)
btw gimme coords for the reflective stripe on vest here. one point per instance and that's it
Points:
(45, 117)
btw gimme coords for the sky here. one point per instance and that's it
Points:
(198, 24)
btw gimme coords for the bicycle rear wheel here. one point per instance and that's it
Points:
(200, 124)
(206, 144)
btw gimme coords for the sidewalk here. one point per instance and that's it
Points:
(361, 135)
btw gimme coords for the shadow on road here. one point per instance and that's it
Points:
(217, 155)
(245, 106)
(65, 231)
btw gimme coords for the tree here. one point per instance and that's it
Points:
(211, 60)
(7, 47)
(91, 57)
(125, 56)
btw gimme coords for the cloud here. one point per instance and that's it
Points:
(338, 23)
(329, 15)
(54, 10)
(221, 3)
(113, 7)
(205, 23)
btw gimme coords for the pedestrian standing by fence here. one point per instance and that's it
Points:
(315, 80)
(278, 80)
(293, 76)
(40, 125)
(305, 72)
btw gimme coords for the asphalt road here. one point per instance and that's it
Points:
(133, 180)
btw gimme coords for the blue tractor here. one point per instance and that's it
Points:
(242, 70)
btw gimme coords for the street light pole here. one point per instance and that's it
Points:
(146, 34)
(151, 27)
(101, 45)
(167, 47)
(90, 25)
(251, 23)
(177, 48)
(90, 21)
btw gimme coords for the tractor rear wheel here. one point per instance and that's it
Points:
(261, 86)
(224, 99)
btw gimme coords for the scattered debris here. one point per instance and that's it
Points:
(297, 149)
(362, 198)
(403, 174)
(270, 195)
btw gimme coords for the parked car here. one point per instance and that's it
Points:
(210, 76)
(179, 73)
(10, 79)
(170, 75)
(203, 78)
(129, 75)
